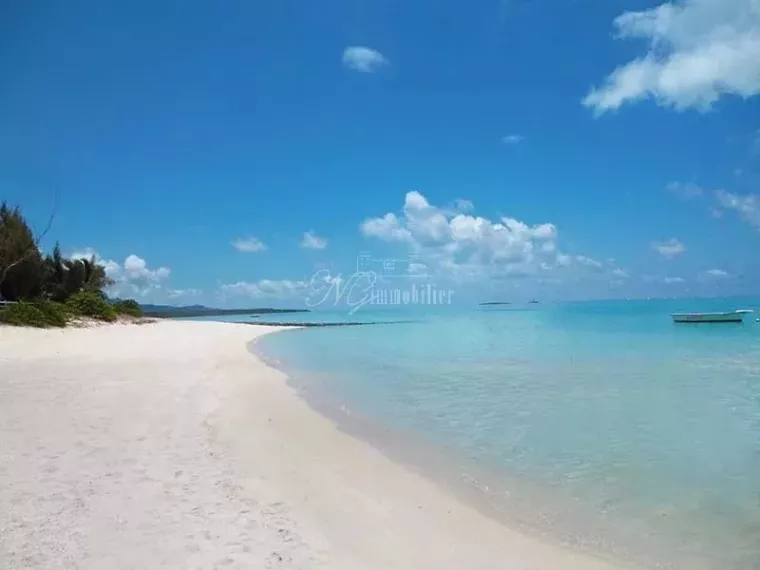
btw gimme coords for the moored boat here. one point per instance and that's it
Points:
(724, 317)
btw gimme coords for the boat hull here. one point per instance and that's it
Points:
(732, 317)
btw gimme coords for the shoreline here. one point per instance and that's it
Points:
(172, 444)
(517, 503)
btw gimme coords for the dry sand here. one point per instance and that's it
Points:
(169, 445)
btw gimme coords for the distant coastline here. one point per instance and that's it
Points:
(168, 312)
(307, 324)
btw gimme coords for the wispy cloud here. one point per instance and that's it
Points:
(363, 59)
(183, 293)
(755, 144)
(747, 206)
(266, 288)
(715, 212)
(684, 190)
(699, 51)
(512, 139)
(313, 241)
(670, 248)
(462, 205)
(249, 245)
(664, 280)
(588, 262)
(716, 274)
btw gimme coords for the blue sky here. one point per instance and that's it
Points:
(577, 149)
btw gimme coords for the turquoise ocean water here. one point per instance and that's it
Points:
(601, 423)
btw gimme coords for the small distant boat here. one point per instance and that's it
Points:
(533, 302)
(726, 317)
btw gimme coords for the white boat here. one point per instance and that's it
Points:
(727, 317)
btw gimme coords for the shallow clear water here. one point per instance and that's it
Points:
(648, 429)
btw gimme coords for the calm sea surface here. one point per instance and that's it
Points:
(602, 423)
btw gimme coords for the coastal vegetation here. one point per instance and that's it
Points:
(49, 290)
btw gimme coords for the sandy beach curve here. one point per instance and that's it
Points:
(169, 445)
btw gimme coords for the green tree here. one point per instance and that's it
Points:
(65, 277)
(26, 275)
(54, 286)
(95, 278)
(21, 267)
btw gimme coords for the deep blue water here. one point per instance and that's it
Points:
(652, 429)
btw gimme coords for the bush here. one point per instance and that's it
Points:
(23, 314)
(89, 304)
(56, 314)
(128, 307)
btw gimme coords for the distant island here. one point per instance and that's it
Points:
(497, 303)
(169, 311)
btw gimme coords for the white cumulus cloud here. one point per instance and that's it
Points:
(133, 270)
(387, 228)
(112, 268)
(313, 241)
(85, 253)
(465, 245)
(132, 278)
(249, 245)
(698, 51)
(564, 260)
(670, 248)
(363, 59)
(136, 269)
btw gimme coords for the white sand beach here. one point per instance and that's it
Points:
(169, 445)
